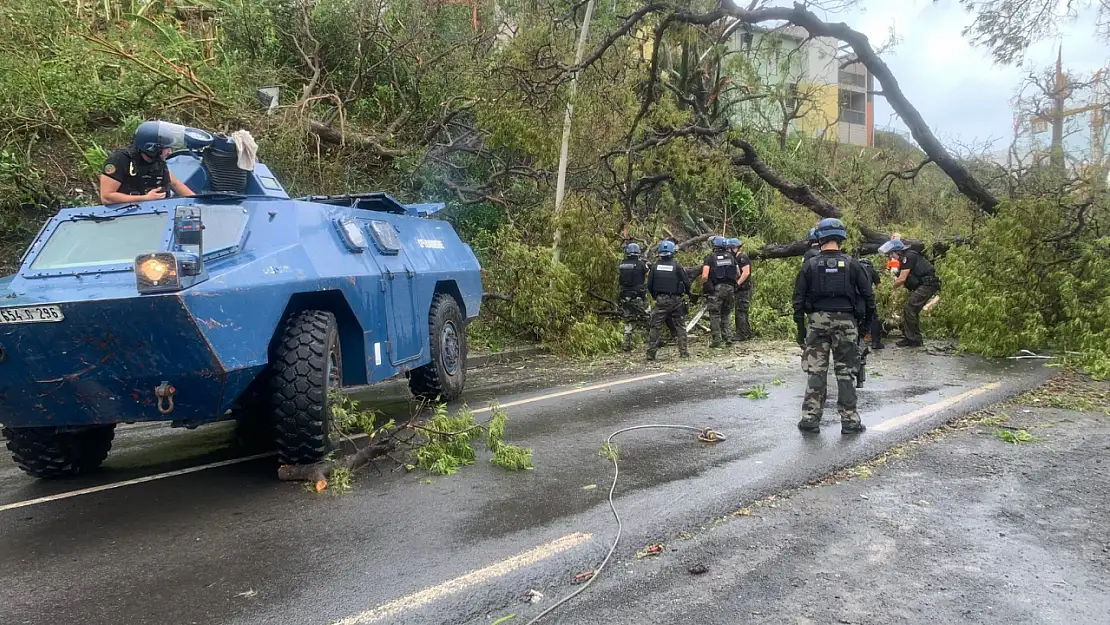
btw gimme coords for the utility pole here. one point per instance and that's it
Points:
(560, 185)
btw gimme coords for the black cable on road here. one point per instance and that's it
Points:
(706, 435)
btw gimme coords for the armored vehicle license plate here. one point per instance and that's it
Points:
(31, 314)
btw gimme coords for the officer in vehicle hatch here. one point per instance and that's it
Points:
(633, 291)
(920, 279)
(668, 283)
(720, 276)
(833, 289)
(814, 248)
(140, 172)
(743, 291)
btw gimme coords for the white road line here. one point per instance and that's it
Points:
(138, 480)
(932, 408)
(224, 463)
(574, 391)
(472, 578)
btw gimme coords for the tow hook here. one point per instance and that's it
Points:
(164, 392)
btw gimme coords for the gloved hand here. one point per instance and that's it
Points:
(801, 335)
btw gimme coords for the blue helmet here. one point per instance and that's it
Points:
(811, 236)
(831, 228)
(719, 241)
(893, 245)
(632, 249)
(666, 248)
(734, 243)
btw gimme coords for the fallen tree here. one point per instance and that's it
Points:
(432, 439)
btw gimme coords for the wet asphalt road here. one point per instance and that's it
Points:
(232, 545)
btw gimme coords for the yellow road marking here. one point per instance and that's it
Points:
(932, 408)
(224, 463)
(480, 576)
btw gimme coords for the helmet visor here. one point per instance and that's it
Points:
(888, 247)
(164, 134)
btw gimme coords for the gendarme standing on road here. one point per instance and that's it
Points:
(743, 291)
(667, 283)
(633, 291)
(835, 292)
(720, 274)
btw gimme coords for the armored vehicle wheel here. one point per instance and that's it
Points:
(47, 452)
(306, 364)
(445, 376)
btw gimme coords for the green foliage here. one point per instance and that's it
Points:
(757, 392)
(1014, 436)
(610, 451)
(339, 480)
(450, 442)
(74, 86)
(506, 456)
(1032, 281)
(771, 314)
(448, 446)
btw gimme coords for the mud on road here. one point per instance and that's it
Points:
(963, 525)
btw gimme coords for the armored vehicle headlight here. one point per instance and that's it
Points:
(157, 272)
(154, 269)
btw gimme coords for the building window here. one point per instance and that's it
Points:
(791, 103)
(854, 80)
(853, 107)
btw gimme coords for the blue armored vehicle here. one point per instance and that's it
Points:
(237, 303)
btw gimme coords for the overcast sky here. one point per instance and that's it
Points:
(959, 90)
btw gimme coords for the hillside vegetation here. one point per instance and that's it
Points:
(436, 101)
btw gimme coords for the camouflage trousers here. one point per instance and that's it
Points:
(667, 308)
(719, 305)
(911, 312)
(634, 310)
(834, 333)
(743, 305)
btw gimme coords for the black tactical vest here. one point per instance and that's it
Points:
(830, 283)
(724, 268)
(632, 275)
(665, 277)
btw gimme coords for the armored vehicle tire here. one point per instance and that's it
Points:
(445, 376)
(306, 364)
(46, 452)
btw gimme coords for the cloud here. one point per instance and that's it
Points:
(959, 90)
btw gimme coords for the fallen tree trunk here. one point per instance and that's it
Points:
(815, 27)
(318, 473)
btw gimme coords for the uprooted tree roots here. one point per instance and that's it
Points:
(432, 440)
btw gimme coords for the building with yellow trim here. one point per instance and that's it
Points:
(810, 80)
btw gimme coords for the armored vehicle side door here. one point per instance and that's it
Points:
(406, 328)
